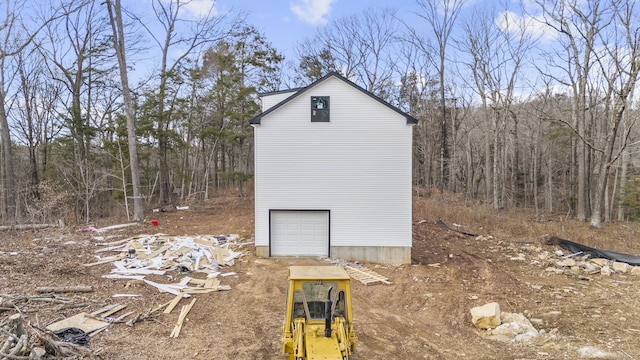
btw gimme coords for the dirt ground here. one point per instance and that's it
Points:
(423, 314)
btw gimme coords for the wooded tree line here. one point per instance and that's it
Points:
(108, 111)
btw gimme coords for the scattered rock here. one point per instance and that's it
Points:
(536, 321)
(514, 328)
(589, 268)
(520, 257)
(621, 267)
(592, 352)
(486, 316)
(552, 314)
(566, 263)
(600, 262)
(606, 270)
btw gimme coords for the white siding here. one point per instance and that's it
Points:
(269, 101)
(358, 166)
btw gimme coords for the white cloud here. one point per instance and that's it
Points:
(531, 25)
(311, 11)
(201, 8)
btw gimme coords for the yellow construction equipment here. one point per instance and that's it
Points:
(319, 320)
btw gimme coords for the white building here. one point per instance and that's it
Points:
(333, 174)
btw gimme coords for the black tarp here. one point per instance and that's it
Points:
(442, 223)
(593, 252)
(73, 335)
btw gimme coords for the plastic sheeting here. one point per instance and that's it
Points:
(593, 252)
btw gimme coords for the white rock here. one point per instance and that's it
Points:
(590, 267)
(606, 270)
(621, 267)
(600, 262)
(554, 270)
(486, 316)
(514, 328)
(566, 263)
(592, 352)
(635, 270)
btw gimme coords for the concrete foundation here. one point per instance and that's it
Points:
(374, 254)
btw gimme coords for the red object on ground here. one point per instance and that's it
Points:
(154, 222)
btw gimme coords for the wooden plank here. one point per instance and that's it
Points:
(199, 291)
(107, 260)
(138, 272)
(183, 314)
(211, 283)
(220, 254)
(112, 311)
(173, 303)
(80, 321)
(162, 287)
(144, 255)
(108, 310)
(121, 317)
(110, 248)
(366, 276)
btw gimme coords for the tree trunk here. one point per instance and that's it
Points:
(118, 42)
(624, 165)
(470, 169)
(8, 179)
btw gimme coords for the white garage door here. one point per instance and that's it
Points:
(299, 233)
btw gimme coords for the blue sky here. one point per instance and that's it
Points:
(286, 22)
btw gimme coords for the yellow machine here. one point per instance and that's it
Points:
(319, 321)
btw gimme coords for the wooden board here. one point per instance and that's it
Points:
(108, 310)
(173, 303)
(107, 260)
(80, 321)
(366, 276)
(183, 314)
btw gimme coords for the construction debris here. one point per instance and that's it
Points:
(83, 321)
(592, 252)
(106, 228)
(155, 254)
(444, 225)
(143, 255)
(366, 276)
(21, 340)
(183, 314)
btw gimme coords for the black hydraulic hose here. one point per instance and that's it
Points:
(327, 315)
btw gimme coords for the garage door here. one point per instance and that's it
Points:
(299, 233)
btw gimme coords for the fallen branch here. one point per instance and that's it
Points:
(64, 289)
(149, 314)
(25, 227)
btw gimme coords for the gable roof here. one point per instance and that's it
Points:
(256, 120)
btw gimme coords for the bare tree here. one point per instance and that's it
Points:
(441, 16)
(577, 25)
(115, 18)
(620, 66)
(361, 47)
(14, 38)
(417, 96)
(205, 30)
(78, 59)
